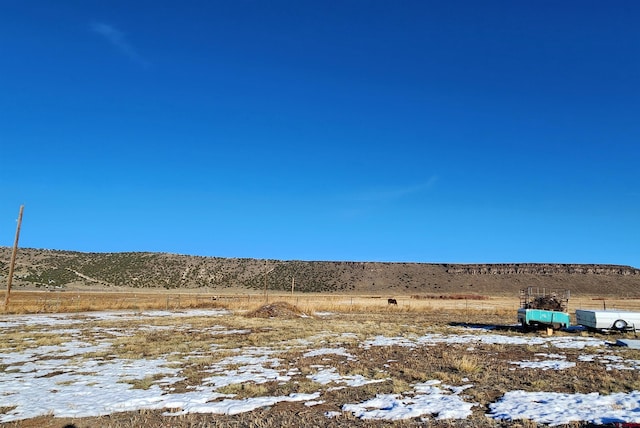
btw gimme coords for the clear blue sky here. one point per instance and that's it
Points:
(426, 131)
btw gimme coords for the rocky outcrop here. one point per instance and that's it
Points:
(541, 269)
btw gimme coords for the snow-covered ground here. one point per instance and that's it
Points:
(427, 398)
(65, 381)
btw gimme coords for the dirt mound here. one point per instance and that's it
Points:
(277, 310)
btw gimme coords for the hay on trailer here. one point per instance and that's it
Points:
(277, 310)
(549, 303)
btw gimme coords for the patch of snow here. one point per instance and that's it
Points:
(224, 332)
(612, 362)
(545, 365)
(586, 358)
(330, 375)
(556, 408)
(14, 321)
(329, 351)
(388, 341)
(488, 339)
(254, 365)
(428, 400)
(126, 315)
(234, 407)
(552, 356)
(78, 388)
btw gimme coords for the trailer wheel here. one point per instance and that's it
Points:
(620, 325)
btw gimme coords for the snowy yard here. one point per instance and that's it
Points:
(92, 364)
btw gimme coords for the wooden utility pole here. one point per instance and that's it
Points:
(293, 284)
(266, 299)
(12, 263)
(267, 272)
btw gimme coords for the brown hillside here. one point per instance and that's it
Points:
(51, 269)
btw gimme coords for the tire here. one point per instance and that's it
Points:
(620, 325)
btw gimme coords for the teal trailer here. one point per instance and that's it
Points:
(543, 318)
(543, 308)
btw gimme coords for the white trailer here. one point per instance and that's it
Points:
(610, 319)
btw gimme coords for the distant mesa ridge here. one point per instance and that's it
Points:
(61, 270)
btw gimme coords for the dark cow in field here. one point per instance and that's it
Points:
(392, 302)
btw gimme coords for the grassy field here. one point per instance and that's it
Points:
(79, 301)
(344, 322)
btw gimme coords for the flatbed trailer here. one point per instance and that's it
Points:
(543, 308)
(608, 319)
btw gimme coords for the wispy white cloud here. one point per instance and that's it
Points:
(356, 205)
(395, 192)
(117, 39)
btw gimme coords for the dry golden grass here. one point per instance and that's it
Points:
(465, 364)
(76, 301)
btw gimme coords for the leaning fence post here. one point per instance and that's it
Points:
(13, 259)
